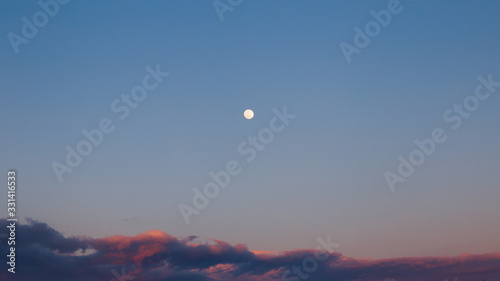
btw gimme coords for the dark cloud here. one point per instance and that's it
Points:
(44, 254)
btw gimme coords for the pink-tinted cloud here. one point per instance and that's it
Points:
(45, 254)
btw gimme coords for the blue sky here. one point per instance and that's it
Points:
(323, 175)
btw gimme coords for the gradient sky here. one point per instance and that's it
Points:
(323, 175)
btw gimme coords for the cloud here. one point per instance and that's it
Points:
(43, 253)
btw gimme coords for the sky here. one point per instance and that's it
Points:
(323, 172)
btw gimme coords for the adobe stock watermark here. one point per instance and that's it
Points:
(310, 264)
(121, 107)
(223, 6)
(382, 280)
(221, 179)
(372, 29)
(453, 116)
(29, 29)
(122, 277)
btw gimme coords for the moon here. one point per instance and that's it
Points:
(248, 114)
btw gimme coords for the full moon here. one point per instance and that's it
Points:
(248, 114)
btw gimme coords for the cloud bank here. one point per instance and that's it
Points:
(44, 254)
